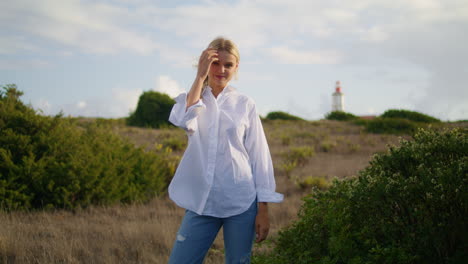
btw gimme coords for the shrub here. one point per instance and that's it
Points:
(409, 206)
(175, 143)
(340, 116)
(153, 110)
(327, 145)
(52, 162)
(389, 125)
(287, 167)
(409, 115)
(313, 182)
(282, 116)
(299, 155)
(354, 147)
(285, 139)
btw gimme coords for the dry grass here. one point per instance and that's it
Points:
(144, 233)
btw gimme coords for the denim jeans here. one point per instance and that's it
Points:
(197, 233)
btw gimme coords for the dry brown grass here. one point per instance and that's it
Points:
(144, 233)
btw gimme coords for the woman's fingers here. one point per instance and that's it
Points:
(204, 63)
(262, 234)
(209, 54)
(262, 227)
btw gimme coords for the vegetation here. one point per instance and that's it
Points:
(396, 126)
(282, 116)
(340, 116)
(52, 162)
(153, 110)
(391, 122)
(409, 206)
(305, 155)
(313, 182)
(299, 155)
(409, 115)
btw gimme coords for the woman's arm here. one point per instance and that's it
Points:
(262, 222)
(204, 63)
(263, 172)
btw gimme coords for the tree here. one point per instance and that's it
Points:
(153, 110)
(282, 116)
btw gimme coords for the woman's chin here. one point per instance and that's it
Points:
(220, 84)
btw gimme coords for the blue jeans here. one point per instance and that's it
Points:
(197, 233)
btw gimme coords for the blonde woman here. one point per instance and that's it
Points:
(225, 178)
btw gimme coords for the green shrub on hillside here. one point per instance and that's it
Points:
(409, 206)
(389, 125)
(299, 155)
(282, 116)
(52, 162)
(340, 116)
(409, 115)
(313, 182)
(153, 110)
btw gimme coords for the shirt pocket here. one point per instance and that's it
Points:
(241, 169)
(231, 131)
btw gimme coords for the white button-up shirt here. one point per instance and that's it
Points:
(227, 163)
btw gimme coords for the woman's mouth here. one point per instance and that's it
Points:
(219, 76)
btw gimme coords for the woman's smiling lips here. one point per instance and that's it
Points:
(220, 76)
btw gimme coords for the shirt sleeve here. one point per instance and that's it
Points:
(184, 117)
(260, 160)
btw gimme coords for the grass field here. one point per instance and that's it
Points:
(143, 233)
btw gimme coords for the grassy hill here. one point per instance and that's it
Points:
(304, 154)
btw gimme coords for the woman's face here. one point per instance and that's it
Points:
(222, 70)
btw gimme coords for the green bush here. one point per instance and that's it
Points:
(282, 116)
(175, 143)
(340, 116)
(53, 162)
(313, 182)
(327, 145)
(299, 155)
(389, 125)
(153, 110)
(285, 139)
(409, 206)
(409, 115)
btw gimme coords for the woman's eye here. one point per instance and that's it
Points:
(228, 65)
(215, 62)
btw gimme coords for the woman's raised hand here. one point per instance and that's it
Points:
(204, 63)
(208, 56)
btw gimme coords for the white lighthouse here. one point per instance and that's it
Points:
(338, 98)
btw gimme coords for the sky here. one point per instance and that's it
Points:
(95, 58)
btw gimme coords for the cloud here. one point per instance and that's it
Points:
(291, 56)
(14, 44)
(125, 101)
(91, 27)
(18, 64)
(42, 105)
(165, 84)
(119, 104)
(424, 34)
(81, 104)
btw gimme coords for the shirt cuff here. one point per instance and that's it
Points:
(269, 196)
(192, 110)
(190, 116)
(184, 117)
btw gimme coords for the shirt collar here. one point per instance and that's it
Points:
(228, 89)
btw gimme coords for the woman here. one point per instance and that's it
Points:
(225, 177)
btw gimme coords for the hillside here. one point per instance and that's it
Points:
(304, 154)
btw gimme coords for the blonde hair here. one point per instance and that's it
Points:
(224, 44)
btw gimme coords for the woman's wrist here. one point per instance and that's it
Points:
(263, 207)
(199, 79)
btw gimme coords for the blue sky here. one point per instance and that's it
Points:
(94, 58)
